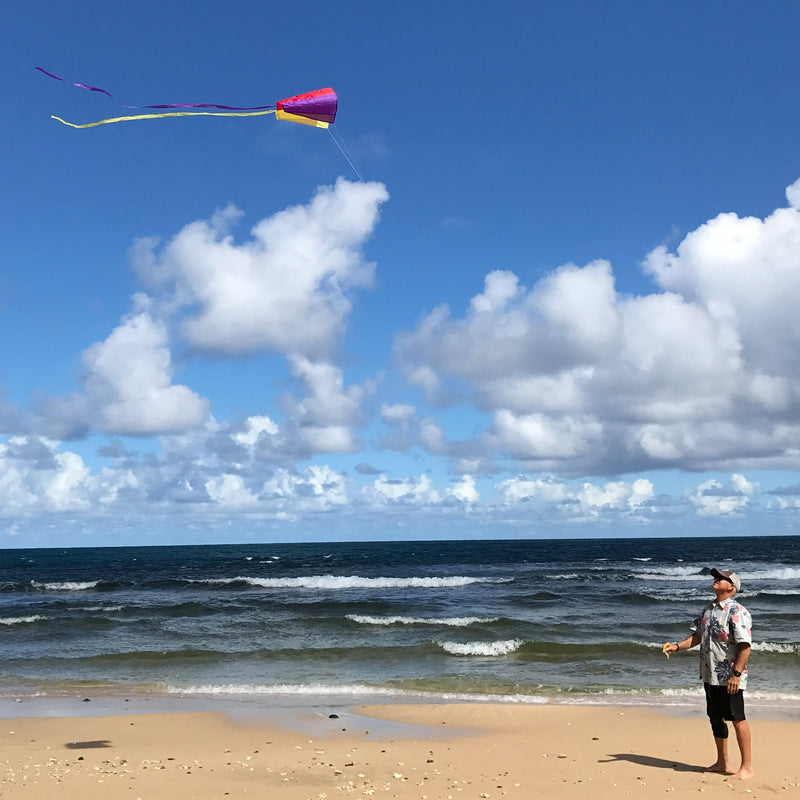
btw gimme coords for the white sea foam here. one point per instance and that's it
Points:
(20, 620)
(102, 608)
(672, 696)
(694, 573)
(338, 582)
(501, 648)
(456, 622)
(349, 690)
(689, 573)
(772, 574)
(777, 647)
(65, 586)
(693, 692)
(757, 695)
(563, 577)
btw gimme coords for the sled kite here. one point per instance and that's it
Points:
(317, 108)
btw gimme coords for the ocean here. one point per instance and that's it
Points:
(560, 621)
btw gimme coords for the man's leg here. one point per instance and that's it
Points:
(721, 764)
(718, 728)
(743, 739)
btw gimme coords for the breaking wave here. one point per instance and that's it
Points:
(456, 622)
(501, 648)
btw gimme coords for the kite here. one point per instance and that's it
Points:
(317, 108)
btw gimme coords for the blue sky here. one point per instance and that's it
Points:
(561, 302)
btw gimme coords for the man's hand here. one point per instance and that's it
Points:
(733, 684)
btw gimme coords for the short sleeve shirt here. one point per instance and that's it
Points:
(722, 627)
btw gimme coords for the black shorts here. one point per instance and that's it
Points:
(720, 705)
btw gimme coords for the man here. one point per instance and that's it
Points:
(723, 631)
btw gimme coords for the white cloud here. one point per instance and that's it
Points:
(543, 437)
(586, 500)
(323, 420)
(327, 402)
(397, 413)
(465, 490)
(285, 289)
(198, 480)
(317, 488)
(618, 495)
(713, 499)
(415, 491)
(580, 379)
(16, 496)
(255, 427)
(230, 491)
(37, 479)
(128, 382)
(420, 492)
(523, 488)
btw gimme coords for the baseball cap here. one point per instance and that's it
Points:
(728, 575)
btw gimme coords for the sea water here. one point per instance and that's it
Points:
(509, 621)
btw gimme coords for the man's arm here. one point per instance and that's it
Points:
(739, 664)
(686, 644)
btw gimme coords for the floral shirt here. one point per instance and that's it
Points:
(722, 626)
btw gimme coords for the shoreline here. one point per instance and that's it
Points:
(391, 750)
(274, 705)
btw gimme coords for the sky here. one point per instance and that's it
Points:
(540, 279)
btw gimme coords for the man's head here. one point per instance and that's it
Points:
(727, 580)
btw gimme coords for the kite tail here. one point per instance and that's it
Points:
(79, 85)
(162, 116)
(163, 105)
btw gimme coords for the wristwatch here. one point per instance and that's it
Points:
(736, 673)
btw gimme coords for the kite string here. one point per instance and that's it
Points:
(343, 149)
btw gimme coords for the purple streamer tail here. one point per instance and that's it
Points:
(79, 85)
(205, 105)
(163, 105)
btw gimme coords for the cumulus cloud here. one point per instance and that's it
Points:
(36, 478)
(587, 499)
(324, 418)
(397, 413)
(230, 492)
(128, 382)
(219, 472)
(703, 373)
(285, 289)
(419, 492)
(316, 489)
(713, 498)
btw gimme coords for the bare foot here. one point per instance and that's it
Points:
(718, 767)
(743, 774)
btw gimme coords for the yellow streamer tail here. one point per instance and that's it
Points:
(187, 114)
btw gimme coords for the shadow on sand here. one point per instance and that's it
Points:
(651, 761)
(88, 745)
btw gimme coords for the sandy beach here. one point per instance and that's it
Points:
(426, 752)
